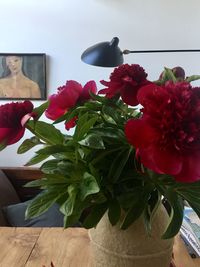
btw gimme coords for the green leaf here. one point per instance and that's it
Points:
(147, 220)
(196, 207)
(93, 105)
(71, 220)
(92, 141)
(111, 112)
(83, 126)
(47, 132)
(176, 215)
(88, 186)
(136, 210)
(67, 167)
(168, 75)
(94, 172)
(192, 78)
(50, 166)
(103, 154)
(118, 164)
(28, 144)
(126, 198)
(138, 205)
(68, 206)
(41, 203)
(98, 98)
(110, 132)
(114, 211)
(193, 198)
(95, 215)
(49, 150)
(36, 183)
(68, 116)
(188, 186)
(150, 210)
(2, 146)
(40, 110)
(36, 159)
(49, 180)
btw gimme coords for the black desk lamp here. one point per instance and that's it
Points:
(108, 54)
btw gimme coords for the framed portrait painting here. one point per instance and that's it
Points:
(23, 76)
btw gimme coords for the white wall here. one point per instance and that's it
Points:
(63, 29)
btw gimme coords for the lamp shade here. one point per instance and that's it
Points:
(104, 54)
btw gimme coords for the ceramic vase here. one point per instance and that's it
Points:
(133, 247)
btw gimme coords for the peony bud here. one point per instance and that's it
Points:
(179, 72)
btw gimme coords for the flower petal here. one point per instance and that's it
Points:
(190, 171)
(139, 133)
(10, 136)
(11, 114)
(69, 94)
(71, 123)
(89, 87)
(161, 161)
(169, 162)
(54, 111)
(129, 94)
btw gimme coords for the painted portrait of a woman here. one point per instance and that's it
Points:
(14, 83)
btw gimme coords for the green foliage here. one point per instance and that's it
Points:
(40, 110)
(96, 213)
(193, 78)
(93, 141)
(114, 211)
(176, 214)
(42, 203)
(2, 146)
(28, 144)
(36, 159)
(46, 132)
(88, 186)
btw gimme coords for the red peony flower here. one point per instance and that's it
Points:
(67, 97)
(125, 80)
(167, 136)
(11, 115)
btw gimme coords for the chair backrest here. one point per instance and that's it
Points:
(8, 195)
(19, 176)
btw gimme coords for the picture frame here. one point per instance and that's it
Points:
(23, 76)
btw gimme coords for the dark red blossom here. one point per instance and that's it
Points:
(125, 81)
(67, 97)
(11, 126)
(167, 136)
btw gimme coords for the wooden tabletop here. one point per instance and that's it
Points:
(38, 247)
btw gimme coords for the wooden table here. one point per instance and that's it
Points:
(38, 247)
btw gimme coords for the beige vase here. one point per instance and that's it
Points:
(113, 247)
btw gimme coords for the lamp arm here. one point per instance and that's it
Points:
(126, 51)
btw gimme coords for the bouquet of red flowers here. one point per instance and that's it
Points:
(120, 157)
